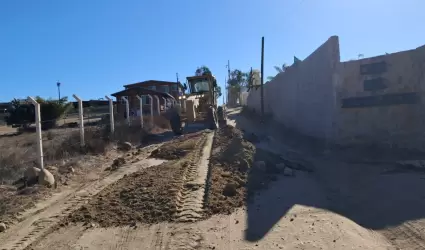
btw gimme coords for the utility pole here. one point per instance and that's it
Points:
(225, 91)
(177, 75)
(228, 77)
(58, 84)
(262, 79)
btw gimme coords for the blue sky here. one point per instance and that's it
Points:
(94, 47)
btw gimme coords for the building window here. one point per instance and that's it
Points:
(174, 87)
(152, 87)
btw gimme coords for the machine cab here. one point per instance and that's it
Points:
(201, 84)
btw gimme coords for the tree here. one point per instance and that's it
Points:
(203, 70)
(20, 113)
(24, 113)
(279, 69)
(218, 90)
(238, 79)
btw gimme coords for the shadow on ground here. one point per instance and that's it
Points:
(364, 185)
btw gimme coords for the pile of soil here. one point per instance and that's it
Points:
(146, 196)
(233, 179)
(177, 148)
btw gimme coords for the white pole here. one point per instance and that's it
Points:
(151, 102)
(38, 131)
(141, 109)
(127, 108)
(165, 103)
(111, 113)
(158, 106)
(81, 118)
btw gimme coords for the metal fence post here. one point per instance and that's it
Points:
(151, 102)
(127, 108)
(111, 113)
(81, 118)
(141, 109)
(38, 131)
(158, 105)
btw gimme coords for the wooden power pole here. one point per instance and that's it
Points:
(262, 79)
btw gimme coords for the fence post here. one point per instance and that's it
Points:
(141, 109)
(165, 103)
(38, 131)
(151, 102)
(111, 113)
(159, 105)
(127, 108)
(81, 118)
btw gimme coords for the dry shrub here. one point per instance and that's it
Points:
(160, 122)
(19, 151)
(16, 153)
(133, 134)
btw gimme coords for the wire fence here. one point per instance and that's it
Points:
(64, 138)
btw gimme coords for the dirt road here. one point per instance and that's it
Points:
(329, 203)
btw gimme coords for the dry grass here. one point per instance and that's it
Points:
(19, 151)
(62, 151)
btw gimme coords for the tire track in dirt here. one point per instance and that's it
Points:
(35, 227)
(190, 202)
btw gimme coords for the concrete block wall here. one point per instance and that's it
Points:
(395, 125)
(303, 97)
(378, 100)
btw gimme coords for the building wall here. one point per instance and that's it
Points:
(303, 97)
(381, 100)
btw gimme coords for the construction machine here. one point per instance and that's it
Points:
(198, 108)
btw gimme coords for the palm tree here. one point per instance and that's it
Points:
(279, 69)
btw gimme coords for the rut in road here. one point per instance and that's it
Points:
(190, 199)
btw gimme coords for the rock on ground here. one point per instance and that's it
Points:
(31, 173)
(230, 189)
(125, 146)
(46, 178)
(2, 227)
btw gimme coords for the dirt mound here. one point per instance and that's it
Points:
(234, 178)
(177, 148)
(146, 196)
